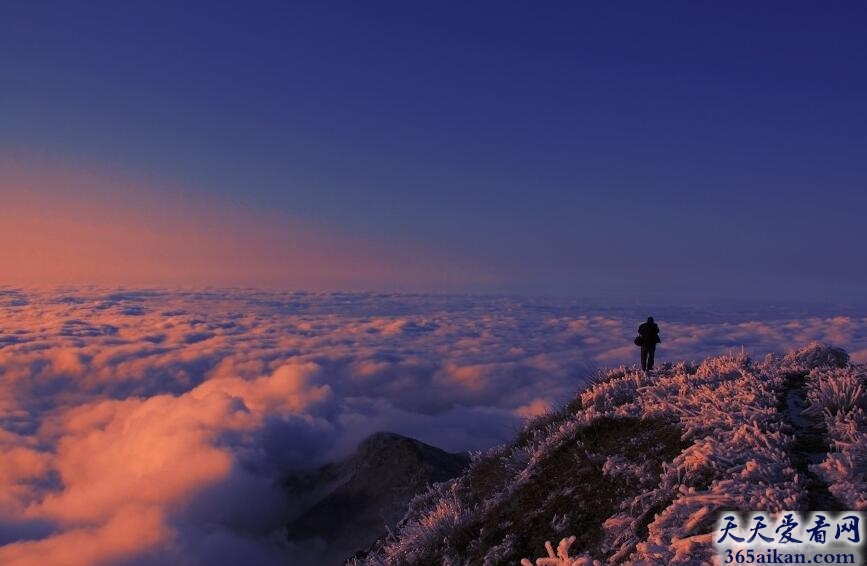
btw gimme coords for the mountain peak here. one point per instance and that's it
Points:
(385, 441)
(363, 496)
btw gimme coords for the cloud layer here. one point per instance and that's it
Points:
(145, 427)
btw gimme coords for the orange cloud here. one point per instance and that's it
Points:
(286, 391)
(62, 225)
(150, 453)
(474, 378)
(534, 408)
(127, 466)
(130, 530)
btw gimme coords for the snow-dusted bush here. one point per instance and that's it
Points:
(611, 393)
(417, 538)
(501, 553)
(844, 471)
(838, 397)
(815, 355)
(562, 557)
(835, 391)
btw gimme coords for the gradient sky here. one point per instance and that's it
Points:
(685, 148)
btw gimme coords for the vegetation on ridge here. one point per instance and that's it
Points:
(637, 467)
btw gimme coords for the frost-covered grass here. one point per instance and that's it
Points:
(636, 468)
(561, 557)
(839, 396)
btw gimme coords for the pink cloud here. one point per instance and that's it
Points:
(128, 468)
(154, 452)
(287, 390)
(130, 530)
(534, 408)
(473, 378)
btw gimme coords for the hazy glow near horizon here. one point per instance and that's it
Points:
(68, 225)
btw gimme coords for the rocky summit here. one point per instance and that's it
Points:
(354, 502)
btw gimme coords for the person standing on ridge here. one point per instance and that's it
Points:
(648, 338)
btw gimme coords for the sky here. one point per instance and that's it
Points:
(686, 149)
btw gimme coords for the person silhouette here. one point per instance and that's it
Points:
(649, 334)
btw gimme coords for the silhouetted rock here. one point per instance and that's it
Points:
(353, 501)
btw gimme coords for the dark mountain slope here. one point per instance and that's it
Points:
(357, 498)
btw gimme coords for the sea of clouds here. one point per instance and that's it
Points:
(152, 427)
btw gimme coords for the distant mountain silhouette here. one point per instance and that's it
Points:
(356, 499)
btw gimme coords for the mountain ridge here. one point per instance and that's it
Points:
(636, 468)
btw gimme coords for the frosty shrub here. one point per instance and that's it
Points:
(610, 393)
(835, 391)
(816, 355)
(561, 558)
(417, 538)
(537, 427)
(838, 396)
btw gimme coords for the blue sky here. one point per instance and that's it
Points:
(691, 148)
